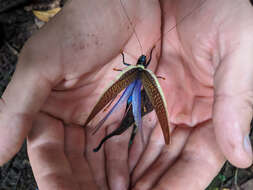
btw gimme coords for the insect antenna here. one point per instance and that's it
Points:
(136, 35)
(173, 27)
(183, 18)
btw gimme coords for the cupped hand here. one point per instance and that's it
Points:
(61, 73)
(206, 61)
(66, 66)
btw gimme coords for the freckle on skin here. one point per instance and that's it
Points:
(82, 46)
(79, 46)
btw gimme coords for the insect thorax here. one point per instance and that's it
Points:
(142, 60)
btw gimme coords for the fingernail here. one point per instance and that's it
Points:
(247, 144)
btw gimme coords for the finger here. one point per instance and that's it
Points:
(232, 110)
(74, 151)
(153, 150)
(116, 149)
(46, 152)
(96, 160)
(166, 158)
(136, 149)
(198, 164)
(23, 97)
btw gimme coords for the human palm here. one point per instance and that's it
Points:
(196, 59)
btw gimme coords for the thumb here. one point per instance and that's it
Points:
(22, 99)
(232, 112)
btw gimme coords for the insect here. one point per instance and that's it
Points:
(132, 79)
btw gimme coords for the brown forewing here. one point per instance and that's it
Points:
(124, 80)
(156, 98)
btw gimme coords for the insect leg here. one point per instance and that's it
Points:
(160, 77)
(123, 58)
(134, 131)
(115, 69)
(118, 131)
(150, 57)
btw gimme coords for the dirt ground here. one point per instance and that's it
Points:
(17, 23)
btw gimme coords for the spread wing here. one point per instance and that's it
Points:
(155, 95)
(125, 79)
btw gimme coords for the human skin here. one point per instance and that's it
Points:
(65, 67)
